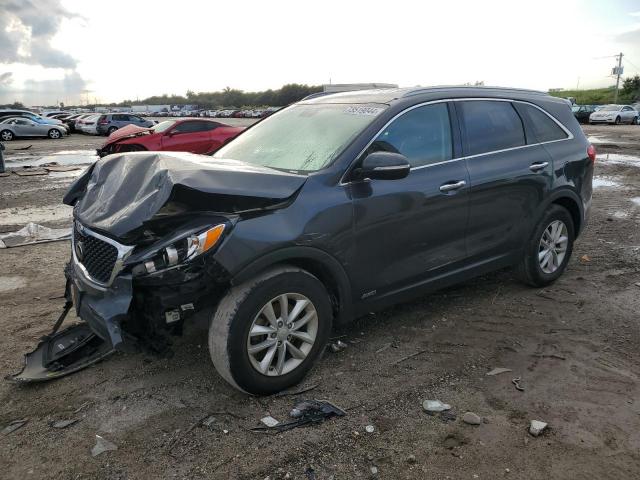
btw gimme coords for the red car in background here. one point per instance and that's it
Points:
(189, 135)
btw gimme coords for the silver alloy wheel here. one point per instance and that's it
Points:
(7, 135)
(553, 246)
(54, 134)
(282, 334)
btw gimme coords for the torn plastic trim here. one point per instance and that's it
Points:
(61, 354)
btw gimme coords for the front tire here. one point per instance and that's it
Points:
(54, 134)
(617, 122)
(6, 135)
(267, 333)
(549, 249)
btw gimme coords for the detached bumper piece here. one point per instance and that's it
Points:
(61, 354)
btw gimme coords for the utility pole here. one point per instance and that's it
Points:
(617, 71)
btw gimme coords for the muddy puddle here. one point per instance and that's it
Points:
(619, 159)
(63, 157)
(603, 182)
(8, 284)
(24, 215)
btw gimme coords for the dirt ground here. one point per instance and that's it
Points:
(574, 345)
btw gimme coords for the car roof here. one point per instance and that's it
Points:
(394, 95)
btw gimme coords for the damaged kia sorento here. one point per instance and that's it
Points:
(333, 207)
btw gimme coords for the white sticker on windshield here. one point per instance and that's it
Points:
(359, 110)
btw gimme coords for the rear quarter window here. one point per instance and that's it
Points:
(543, 127)
(491, 126)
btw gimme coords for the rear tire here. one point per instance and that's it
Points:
(111, 130)
(54, 134)
(532, 269)
(636, 121)
(7, 135)
(617, 122)
(240, 316)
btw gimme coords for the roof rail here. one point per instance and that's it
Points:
(317, 94)
(479, 87)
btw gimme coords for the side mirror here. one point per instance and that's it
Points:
(383, 166)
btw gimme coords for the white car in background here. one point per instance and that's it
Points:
(89, 125)
(615, 114)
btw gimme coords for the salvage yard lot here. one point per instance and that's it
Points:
(574, 345)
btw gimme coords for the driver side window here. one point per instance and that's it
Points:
(423, 135)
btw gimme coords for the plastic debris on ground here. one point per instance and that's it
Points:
(269, 421)
(435, 406)
(306, 412)
(516, 383)
(13, 426)
(498, 371)
(63, 423)
(536, 427)
(33, 233)
(102, 445)
(337, 346)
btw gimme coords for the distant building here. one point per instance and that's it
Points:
(350, 87)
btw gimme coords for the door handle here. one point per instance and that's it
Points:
(536, 167)
(447, 187)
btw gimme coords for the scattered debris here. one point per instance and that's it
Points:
(63, 423)
(383, 348)
(28, 171)
(409, 356)
(370, 429)
(374, 470)
(296, 392)
(337, 346)
(102, 445)
(471, 418)
(310, 473)
(269, 421)
(498, 371)
(435, 406)
(411, 459)
(13, 426)
(549, 355)
(306, 412)
(516, 382)
(537, 427)
(33, 233)
(585, 259)
(210, 420)
(448, 416)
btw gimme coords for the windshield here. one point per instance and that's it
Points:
(162, 126)
(610, 108)
(301, 138)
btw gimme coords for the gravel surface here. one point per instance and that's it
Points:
(574, 345)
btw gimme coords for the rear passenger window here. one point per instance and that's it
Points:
(423, 135)
(544, 128)
(491, 126)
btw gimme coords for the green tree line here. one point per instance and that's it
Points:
(231, 97)
(629, 93)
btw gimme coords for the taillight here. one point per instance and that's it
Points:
(103, 121)
(591, 153)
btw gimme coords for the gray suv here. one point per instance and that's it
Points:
(334, 207)
(109, 123)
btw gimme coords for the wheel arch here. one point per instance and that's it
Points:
(571, 201)
(317, 262)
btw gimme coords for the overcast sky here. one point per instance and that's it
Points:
(72, 50)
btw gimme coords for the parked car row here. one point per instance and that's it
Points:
(613, 114)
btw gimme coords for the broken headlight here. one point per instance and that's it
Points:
(181, 251)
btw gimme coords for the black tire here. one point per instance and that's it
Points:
(529, 270)
(636, 121)
(233, 319)
(7, 135)
(617, 121)
(111, 130)
(54, 134)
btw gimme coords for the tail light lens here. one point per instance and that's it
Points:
(103, 121)
(591, 153)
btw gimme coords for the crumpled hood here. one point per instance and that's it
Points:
(121, 192)
(126, 131)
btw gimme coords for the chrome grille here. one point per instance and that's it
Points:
(97, 256)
